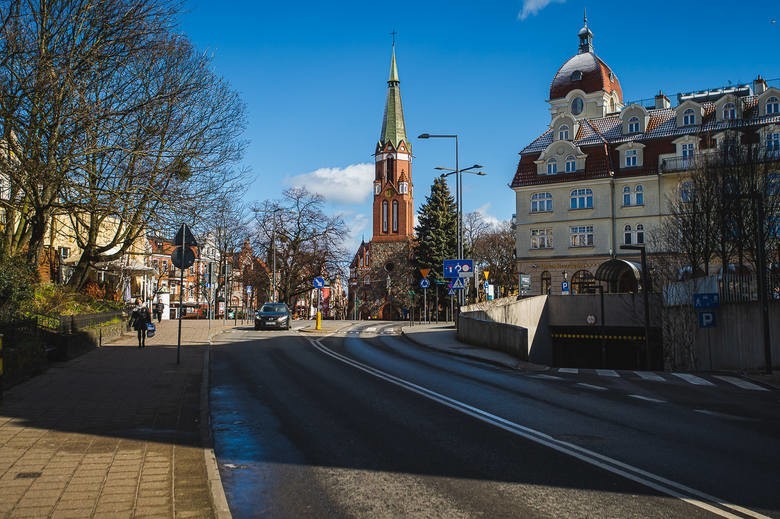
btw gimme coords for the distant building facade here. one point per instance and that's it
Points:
(603, 172)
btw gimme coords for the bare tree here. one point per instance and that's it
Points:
(493, 250)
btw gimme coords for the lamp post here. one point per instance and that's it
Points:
(645, 291)
(458, 190)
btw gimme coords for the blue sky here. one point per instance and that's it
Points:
(313, 76)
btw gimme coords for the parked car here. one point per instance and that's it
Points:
(273, 315)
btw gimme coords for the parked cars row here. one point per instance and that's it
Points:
(273, 315)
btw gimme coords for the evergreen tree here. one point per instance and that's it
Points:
(437, 228)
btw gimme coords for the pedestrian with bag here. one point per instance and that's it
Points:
(140, 318)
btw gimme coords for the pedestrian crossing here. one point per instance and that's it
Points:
(695, 380)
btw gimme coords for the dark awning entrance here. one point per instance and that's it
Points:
(621, 275)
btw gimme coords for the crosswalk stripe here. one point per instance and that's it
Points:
(693, 379)
(648, 399)
(649, 375)
(591, 386)
(568, 370)
(744, 384)
(607, 373)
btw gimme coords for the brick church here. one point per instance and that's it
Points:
(381, 272)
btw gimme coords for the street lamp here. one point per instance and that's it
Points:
(458, 189)
(645, 287)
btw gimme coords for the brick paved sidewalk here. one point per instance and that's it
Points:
(117, 432)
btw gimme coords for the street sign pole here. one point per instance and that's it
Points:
(181, 289)
(425, 304)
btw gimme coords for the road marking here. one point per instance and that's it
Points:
(672, 488)
(591, 386)
(648, 399)
(607, 373)
(693, 379)
(723, 415)
(546, 377)
(568, 370)
(649, 375)
(369, 329)
(744, 384)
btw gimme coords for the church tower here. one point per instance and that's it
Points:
(393, 209)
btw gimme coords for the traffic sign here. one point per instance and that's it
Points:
(424, 272)
(525, 281)
(424, 283)
(458, 268)
(565, 288)
(451, 292)
(486, 273)
(319, 282)
(706, 300)
(457, 284)
(183, 235)
(706, 319)
(183, 258)
(486, 285)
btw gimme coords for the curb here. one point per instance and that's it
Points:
(217, 491)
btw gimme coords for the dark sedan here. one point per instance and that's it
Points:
(273, 315)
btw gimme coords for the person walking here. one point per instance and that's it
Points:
(139, 318)
(160, 308)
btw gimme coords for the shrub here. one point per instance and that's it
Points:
(17, 282)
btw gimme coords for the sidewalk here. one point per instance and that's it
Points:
(118, 432)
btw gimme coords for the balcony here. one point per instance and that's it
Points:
(679, 163)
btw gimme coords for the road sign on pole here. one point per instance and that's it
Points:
(424, 272)
(458, 284)
(318, 282)
(424, 283)
(458, 268)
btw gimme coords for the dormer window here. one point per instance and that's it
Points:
(403, 188)
(563, 133)
(633, 125)
(631, 158)
(729, 112)
(576, 75)
(689, 117)
(552, 167)
(772, 106)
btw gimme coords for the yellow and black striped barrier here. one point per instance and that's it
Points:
(597, 336)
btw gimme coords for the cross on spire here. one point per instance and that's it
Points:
(394, 33)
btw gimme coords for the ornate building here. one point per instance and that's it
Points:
(380, 273)
(604, 171)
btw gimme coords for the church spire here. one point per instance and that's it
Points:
(393, 126)
(586, 37)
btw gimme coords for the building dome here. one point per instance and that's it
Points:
(586, 72)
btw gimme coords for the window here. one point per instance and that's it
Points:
(403, 188)
(689, 117)
(64, 252)
(576, 75)
(541, 202)
(626, 195)
(581, 199)
(581, 282)
(395, 215)
(577, 105)
(581, 236)
(633, 125)
(546, 282)
(639, 195)
(377, 189)
(627, 235)
(552, 167)
(630, 158)
(541, 239)
(571, 164)
(384, 216)
(686, 191)
(772, 106)
(390, 170)
(563, 133)
(729, 111)
(687, 149)
(773, 142)
(640, 233)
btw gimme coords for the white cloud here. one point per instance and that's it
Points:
(358, 227)
(491, 220)
(532, 7)
(349, 185)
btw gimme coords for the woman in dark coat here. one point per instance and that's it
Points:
(139, 318)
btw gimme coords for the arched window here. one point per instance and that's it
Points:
(626, 195)
(633, 125)
(640, 233)
(384, 216)
(541, 202)
(627, 235)
(546, 284)
(772, 106)
(395, 215)
(571, 164)
(581, 282)
(729, 111)
(639, 192)
(552, 167)
(563, 132)
(689, 117)
(581, 199)
(390, 170)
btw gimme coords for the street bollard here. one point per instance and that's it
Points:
(319, 321)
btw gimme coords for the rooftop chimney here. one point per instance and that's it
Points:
(759, 85)
(661, 101)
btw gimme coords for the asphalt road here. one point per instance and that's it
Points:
(369, 425)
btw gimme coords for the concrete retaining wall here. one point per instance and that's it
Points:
(475, 329)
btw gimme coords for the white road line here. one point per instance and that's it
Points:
(607, 373)
(568, 370)
(648, 399)
(370, 329)
(723, 415)
(744, 384)
(649, 375)
(546, 377)
(684, 493)
(591, 386)
(693, 379)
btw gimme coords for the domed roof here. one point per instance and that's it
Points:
(586, 72)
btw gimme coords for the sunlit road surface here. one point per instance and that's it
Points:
(365, 424)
